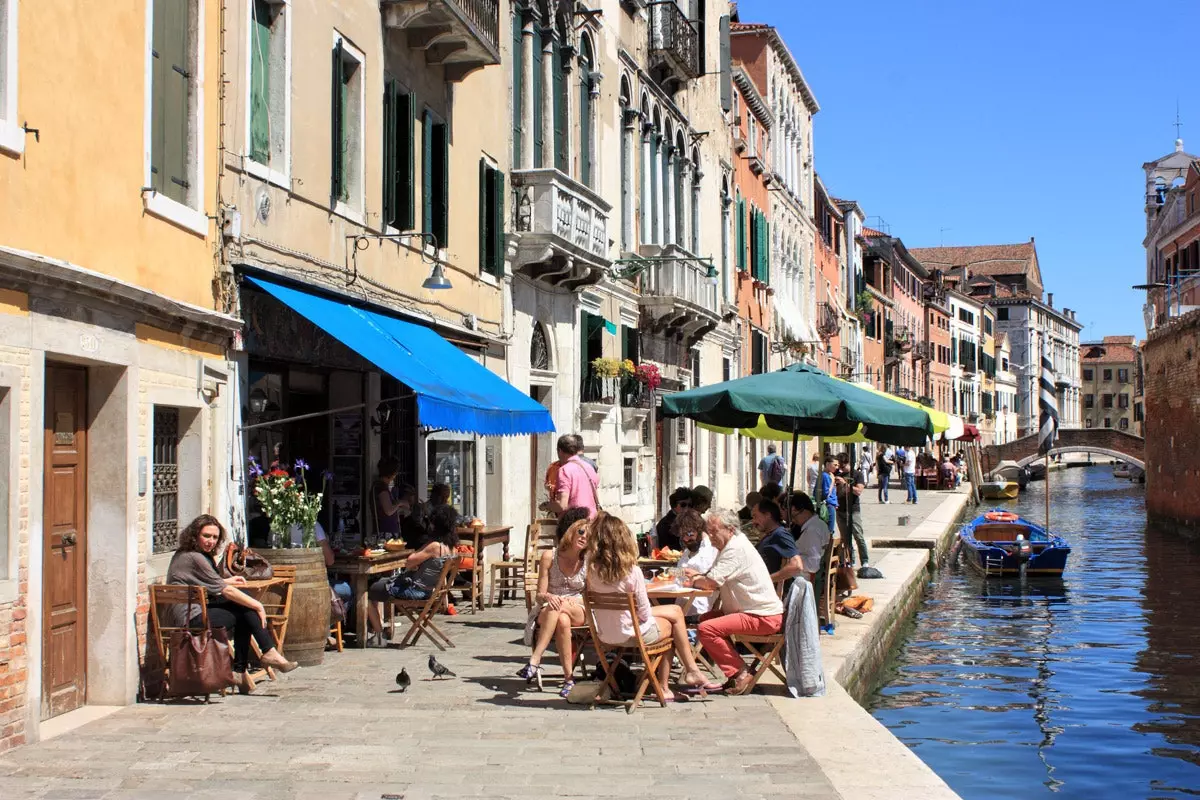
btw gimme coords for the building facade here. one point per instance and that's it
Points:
(1007, 402)
(1172, 240)
(116, 395)
(1110, 377)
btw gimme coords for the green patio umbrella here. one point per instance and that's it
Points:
(805, 401)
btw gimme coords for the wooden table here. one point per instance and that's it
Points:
(490, 535)
(360, 569)
(673, 592)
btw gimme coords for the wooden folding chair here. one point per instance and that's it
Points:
(420, 612)
(611, 655)
(826, 581)
(764, 651)
(474, 589)
(277, 602)
(161, 596)
(542, 535)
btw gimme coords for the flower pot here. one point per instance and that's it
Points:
(308, 622)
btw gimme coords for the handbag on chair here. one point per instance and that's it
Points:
(247, 563)
(201, 663)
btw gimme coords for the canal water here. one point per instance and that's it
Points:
(1085, 687)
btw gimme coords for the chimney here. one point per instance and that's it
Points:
(1050, 299)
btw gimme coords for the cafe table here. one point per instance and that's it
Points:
(360, 569)
(486, 536)
(657, 590)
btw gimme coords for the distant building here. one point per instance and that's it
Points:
(1007, 403)
(1110, 380)
(1172, 235)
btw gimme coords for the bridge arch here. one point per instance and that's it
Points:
(1100, 451)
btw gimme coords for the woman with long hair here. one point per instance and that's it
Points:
(421, 570)
(229, 607)
(562, 575)
(613, 569)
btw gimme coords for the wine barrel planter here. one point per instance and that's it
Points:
(308, 622)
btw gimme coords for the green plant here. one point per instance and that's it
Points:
(606, 367)
(286, 501)
(864, 304)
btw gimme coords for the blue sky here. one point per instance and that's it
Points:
(998, 121)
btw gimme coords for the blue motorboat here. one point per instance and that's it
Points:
(999, 542)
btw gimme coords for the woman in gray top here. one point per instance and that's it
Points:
(228, 606)
(421, 570)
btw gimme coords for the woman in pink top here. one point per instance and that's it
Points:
(612, 568)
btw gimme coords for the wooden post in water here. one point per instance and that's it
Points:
(1047, 491)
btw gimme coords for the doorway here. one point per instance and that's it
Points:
(539, 458)
(64, 542)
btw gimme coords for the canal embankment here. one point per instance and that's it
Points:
(861, 757)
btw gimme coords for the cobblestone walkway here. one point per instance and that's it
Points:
(340, 731)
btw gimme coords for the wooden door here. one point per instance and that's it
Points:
(64, 543)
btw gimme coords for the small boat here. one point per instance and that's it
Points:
(1011, 471)
(1000, 490)
(1001, 543)
(1122, 471)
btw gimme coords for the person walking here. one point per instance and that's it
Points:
(910, 474)
(771, 469)
(883, 468)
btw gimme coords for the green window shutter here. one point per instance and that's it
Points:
(391, 112)
(498, 222)
(427, 172)
(740, 258)
(766, 250)
(170, 83)
(260, 83)
(539, 111)
(585, 124)
(518, 60)
(406, 199)
(336, 99)
(560, 109)
(441, 165)
(485, 217)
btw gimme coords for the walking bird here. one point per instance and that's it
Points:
(402, 679)
(438, 670)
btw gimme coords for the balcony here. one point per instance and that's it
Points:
(828, 323)
(677, 297)
(561, 229)
(922, 351)
(674, 46)
(460, 36)
(903, 339)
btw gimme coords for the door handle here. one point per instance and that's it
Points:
(68, 538)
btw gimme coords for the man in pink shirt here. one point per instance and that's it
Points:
(577, 480)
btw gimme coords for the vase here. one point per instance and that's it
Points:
(280, 534)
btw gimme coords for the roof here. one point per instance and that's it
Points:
(988, 259)
(871, 233)
(785, 55)
(754, 100)
(1108, 354)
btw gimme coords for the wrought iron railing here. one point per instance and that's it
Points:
(903, 338)
(828, 323)
(625, 390)
(923, 351)
(672, 35)
(485, 15)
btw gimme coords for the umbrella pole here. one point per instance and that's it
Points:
(792, 472)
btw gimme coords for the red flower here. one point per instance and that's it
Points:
(277, 473)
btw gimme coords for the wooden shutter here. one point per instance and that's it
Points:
(766, 250)
(260, 83)
(441, 211)
(485, 218)
(407, 124)
(726, 66)
(498, 221)
(518, 82)
(337, 81)
(560, 109)
(427, 172)
(740, 261)
(539, 112)
(170, 79)
(391, 176)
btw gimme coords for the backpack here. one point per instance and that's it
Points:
(775, 470)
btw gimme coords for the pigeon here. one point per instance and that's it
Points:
(402, 680)
(438, 670)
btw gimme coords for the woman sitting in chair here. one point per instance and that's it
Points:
(421, 570)
(562, 574)
(228, 606)
(613, 569)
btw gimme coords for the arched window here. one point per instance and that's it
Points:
(627, 121)
(647, 173)
(726, 204)
(680, 157)
(656, 177)
(696, 175)
(561, 156)
(586, 67)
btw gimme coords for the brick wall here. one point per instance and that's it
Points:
(1172, 372)
(14, 659)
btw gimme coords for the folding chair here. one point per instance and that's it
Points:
(541, 536)
(168, 595)
(277, 602)
(765, 650)
(420, 612)
(826, 582)
(611, 655)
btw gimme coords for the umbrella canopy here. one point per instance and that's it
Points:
(803, 400)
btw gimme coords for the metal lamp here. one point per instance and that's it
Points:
(437, 279)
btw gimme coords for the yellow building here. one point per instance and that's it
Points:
(113, 395)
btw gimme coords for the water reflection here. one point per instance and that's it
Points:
(1085, 686)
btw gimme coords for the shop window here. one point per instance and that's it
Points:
(166, 480)
(452, 462)
(269, 86)
(346, 138)
(399, 144)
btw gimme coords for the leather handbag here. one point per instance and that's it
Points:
(247, 563)
(846, 580)
(201, 663)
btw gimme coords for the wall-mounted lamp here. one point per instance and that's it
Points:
(383, 413)
(258, 402)
(712, 274)
(437, 279)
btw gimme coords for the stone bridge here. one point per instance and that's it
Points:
(1101, 441)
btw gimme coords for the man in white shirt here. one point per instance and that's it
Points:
(698, 553)
(910, 474)
(748, 603)
(811, 534)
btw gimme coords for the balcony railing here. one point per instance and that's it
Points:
(674, 44)
(562, 227)
(682, 278)
(828, 323)
(627, 391)
(922, 351)
(904, 342)
(459, 35)
(677, 296)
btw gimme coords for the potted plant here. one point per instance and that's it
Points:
(289, 504)
(607, 370)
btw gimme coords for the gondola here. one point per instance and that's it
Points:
(990, 544)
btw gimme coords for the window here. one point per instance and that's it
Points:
(1122, 401)
(1087, 423)
(758, 355)
(1108, 374)
(540, 40)
(1089, 401)
(175, 116)
(1137, 412)
(696, 202)
(987, 325)
(630, 344)
(559, 85)
(166, 479)
(1001, 313)
(1107, 422)
(1087, 374)
(966, 316)
(269, 95)
(435, 178)
(628, 475)
(587, 89)
(1123, 376)
(398, 145)
(517, 54)
(1107, 401)
(491, 219)
(452, 462)
(346, 134)
(1123, 423)
(12, 137)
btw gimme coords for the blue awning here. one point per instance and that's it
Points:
(454, 392)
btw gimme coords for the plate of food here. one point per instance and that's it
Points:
(665, 554)
(394, 545)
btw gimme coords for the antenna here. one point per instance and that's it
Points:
(942, 236)
(1178, 124)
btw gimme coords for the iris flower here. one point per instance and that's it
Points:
(301, 464)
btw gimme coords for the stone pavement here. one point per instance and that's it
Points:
(341, 731)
